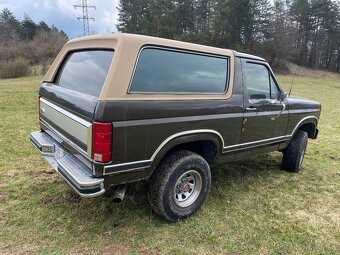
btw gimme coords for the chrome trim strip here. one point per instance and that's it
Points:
(143, 122)
(146, 162)
(72, 124)
(66, 113)
(268, 113)
(249, 145)
(302, 111)
(89, 141)
(130, 163)
(186, 133)
(61, 136)
(72, 127)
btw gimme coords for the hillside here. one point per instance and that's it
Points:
(27, 48)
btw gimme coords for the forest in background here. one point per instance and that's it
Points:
(26, 47)
(306, 32)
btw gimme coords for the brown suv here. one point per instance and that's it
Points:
(120, 108)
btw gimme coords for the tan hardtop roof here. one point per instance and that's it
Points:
(150, 40)
(127, 48)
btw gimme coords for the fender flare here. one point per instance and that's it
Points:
(306, 120)
(186, 137)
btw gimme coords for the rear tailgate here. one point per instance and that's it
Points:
(67, 104)
(70, 122)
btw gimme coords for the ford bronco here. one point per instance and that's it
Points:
(119, 108)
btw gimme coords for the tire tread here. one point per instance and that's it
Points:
(161, 176)
(292, 154)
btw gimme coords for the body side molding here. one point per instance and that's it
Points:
(136, 165)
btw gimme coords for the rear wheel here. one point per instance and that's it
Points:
(294, 154)
(179, 185)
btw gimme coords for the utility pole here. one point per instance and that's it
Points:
(85, 16)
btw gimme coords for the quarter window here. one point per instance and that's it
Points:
(260, 83)
(168, 71)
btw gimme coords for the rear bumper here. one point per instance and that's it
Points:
(75, 173)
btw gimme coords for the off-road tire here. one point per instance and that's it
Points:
(294, 153)
(163, 181)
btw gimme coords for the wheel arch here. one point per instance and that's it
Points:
(308, 124)
(207, 143)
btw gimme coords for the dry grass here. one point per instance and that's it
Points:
(253, 207)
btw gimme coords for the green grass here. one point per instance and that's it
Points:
(253, 206)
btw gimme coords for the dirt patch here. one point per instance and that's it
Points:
(12, 173)
(2, 198)
(3, 185)
(317, 217)
(115, 250)
(148, 251)
(40, 172)
(120, 250)
(8, 249)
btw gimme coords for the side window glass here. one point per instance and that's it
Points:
(168, 71)
(258, 83)
(274, 91)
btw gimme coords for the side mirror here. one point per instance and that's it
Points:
(282, 96)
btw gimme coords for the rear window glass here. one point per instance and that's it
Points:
(85, 71)
(167, 71)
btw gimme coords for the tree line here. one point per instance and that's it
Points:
(306, 32)
(27, 47)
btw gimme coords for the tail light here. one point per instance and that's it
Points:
(101, 142)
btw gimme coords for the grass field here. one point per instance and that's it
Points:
(253, 206)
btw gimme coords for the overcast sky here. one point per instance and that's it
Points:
(63, 15)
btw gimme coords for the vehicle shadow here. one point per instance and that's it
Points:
(247, 172)
(135, 210)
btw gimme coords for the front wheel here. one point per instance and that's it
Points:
(179, 185)
(293, 155)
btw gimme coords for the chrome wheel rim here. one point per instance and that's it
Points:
(187, 188)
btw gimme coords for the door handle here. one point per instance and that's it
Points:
(251, 109)
(278, 115)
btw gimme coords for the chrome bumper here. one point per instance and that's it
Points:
(75, 173)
